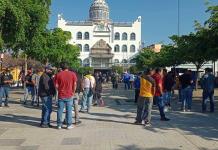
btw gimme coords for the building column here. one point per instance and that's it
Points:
(90, 61)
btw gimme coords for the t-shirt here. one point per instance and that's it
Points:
(65, 81)
(208, 82)
(146, 85)
(159, 82)
(6, 77)
(185, 80)
(28, 78)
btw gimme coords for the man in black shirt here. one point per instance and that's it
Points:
(29, 87)
(186, 90)
(6, 80)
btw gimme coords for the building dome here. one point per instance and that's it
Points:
(99, 11)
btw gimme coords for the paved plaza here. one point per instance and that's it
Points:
(109, 128)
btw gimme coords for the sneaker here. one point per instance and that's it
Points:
(165, 119)
(138, 123)
(78, 122)
(147, 124)
(70, 127)
(24, 102)
(6, 105)
(44, 126)
(59, 127)
(188, 110)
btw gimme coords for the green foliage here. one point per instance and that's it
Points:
(118, 69)
(84, 70)
(133, 70)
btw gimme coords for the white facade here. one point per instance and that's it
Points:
(123, 40)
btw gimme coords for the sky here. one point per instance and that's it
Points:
(159, 17)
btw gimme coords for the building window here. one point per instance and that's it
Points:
(86, 35)
(124, 36)
(116, 61)
(124, 61)
(124, 48)
(132, 48)
(79, 36)
(116, 48)
(86, 48)
(86, 62)
(132, 61)
(132, 36)
(117, 36)
(80, 47)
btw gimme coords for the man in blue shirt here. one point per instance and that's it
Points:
(137, 86)
(126, 80)
(208, 85)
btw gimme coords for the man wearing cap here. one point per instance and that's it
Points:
(145, 101)
(6, 80)
(46, 92)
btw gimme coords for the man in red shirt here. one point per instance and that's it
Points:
(158, 97)
(65, 82)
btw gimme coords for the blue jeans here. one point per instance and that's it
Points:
(161, 104)
(68, 103)
(206, 95)
(167, 97)
(46, 110)
(87, 99)
(4, 92)
(187, 97)
(127, 85)
(29, 90)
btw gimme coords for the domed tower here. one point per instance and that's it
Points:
(99, 12)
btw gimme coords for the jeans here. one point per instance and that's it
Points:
(127, 85)
(187, 97)
(206, 95)
(29, 90)
(4, 92)
(87, 99)
(76, 106)
(46, 110)
(167, 97)
(161, 104)
(144, 109)
(137, 91)
(68, 103)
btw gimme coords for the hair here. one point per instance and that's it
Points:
(157, 70)
(63, 66)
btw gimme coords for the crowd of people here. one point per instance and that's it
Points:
(65, 85)
(156, 86)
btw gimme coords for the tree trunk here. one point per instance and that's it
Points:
(25, 69)
(197, 77)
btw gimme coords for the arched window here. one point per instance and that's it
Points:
(124, 36)
(124, 61)
(132, 36)
(86, 62)
(132, 48)
(86, 35)
(80, 47)
(116, 61)
(124, 48)
(132, 61)
(79, 36)
(86, 48)
(116, 48)
(117, 36)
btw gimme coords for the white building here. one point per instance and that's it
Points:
(102, 41)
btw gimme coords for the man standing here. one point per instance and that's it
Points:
(46, 92)
(208, 85)
(137, 87)
(147, 90)
(88, 87)
(6, 80)
(126, 78)
(29, 87)
(159, 93)
(65, 82)
(35, 80)
(186, 90)
(98, 89)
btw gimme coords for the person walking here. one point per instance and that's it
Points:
(115, 80)
(6, 81)
(35, 80)
(186, 90)
(88, 87)
(137, 87)
(208, 86)
(29, 87)
(147, 91)
(66, 83)
(159, 93)
(98, 90)
(46, 91)
(126, 78)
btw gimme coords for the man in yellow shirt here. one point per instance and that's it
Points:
(145, 101)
